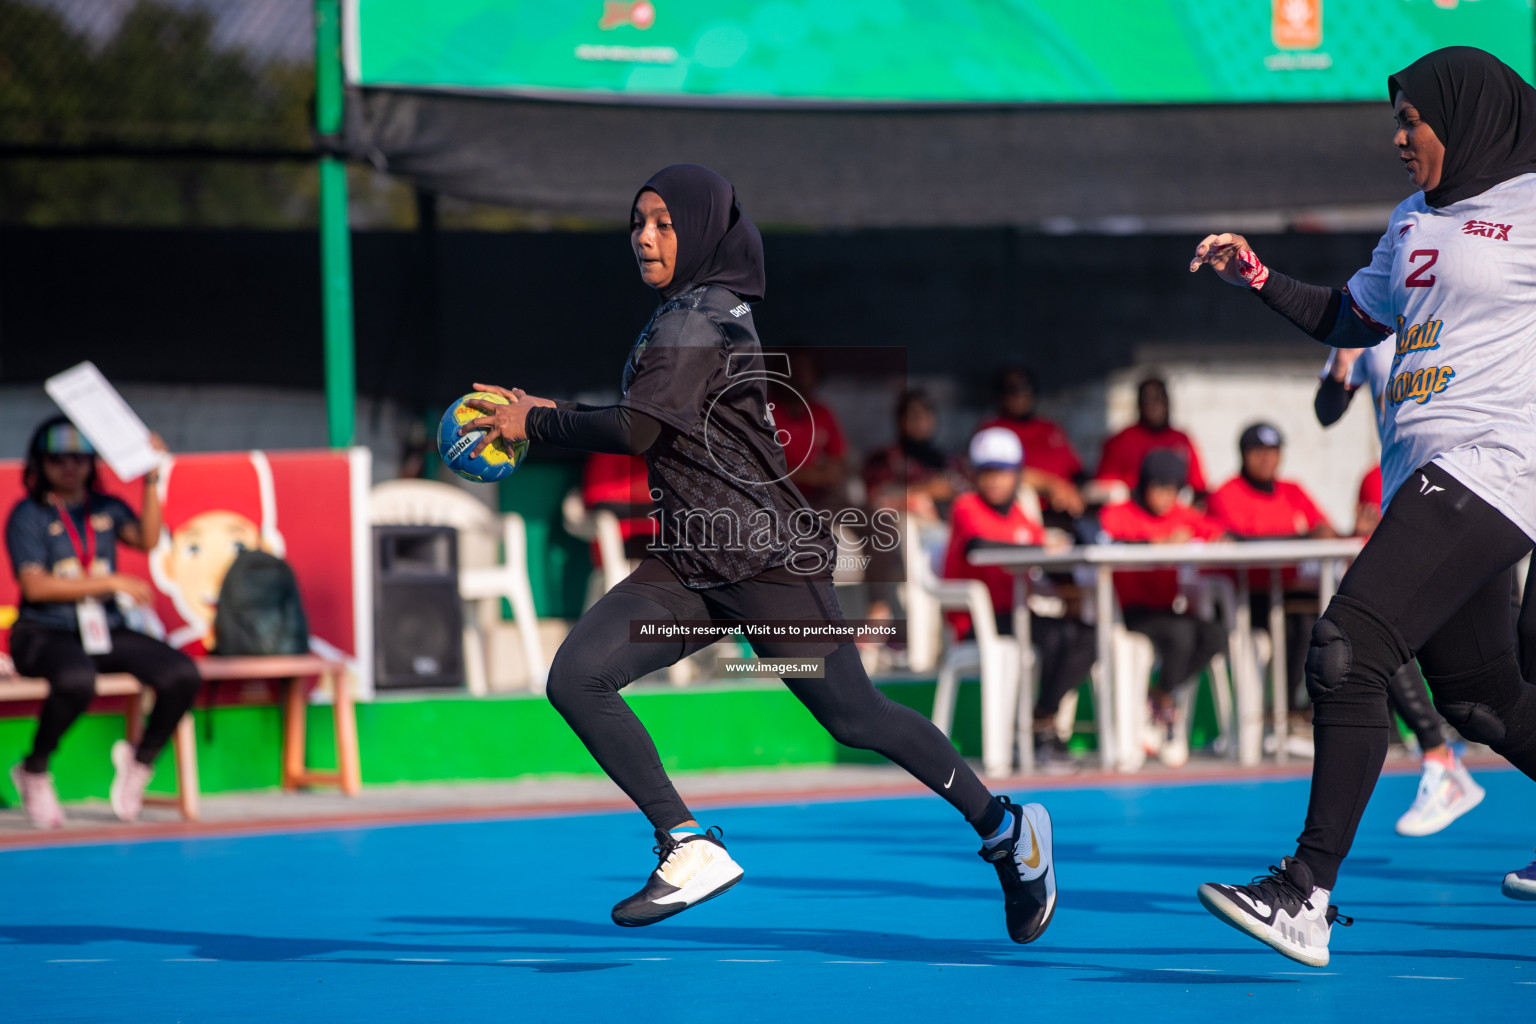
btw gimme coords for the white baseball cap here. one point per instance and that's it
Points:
(996, 448)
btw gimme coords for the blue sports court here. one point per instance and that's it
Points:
(877, 908)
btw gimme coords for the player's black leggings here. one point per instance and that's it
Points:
(599, 658)
(57, 656)
(1434, 581)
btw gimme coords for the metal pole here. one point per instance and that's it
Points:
(335, 236)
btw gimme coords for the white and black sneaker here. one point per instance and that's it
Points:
(1026, 869)
(693, 868)
(1282, 909)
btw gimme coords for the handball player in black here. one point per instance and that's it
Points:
(737, 542)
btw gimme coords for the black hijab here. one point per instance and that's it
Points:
(716, 242)
(1483, 112)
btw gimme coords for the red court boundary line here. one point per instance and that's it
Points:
(160, 832)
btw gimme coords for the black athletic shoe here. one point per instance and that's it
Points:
(1027, 871)
(691, 871)
(1282, 909)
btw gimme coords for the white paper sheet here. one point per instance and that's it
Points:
(114, 430)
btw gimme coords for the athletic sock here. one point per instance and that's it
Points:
(1004, 831)
(682, 835)
(1446, 760)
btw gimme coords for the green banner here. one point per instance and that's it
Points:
(934, 51)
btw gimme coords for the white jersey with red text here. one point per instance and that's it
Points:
(1374, 369)
(1458, 286)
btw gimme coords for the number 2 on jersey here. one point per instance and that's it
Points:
(1418, 278)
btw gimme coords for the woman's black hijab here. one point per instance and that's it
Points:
(716, 242)
(1481, 109)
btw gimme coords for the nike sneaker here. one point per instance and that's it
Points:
(1521, 885)
(693, 869)
(1282, 909)
(1027, 870)
(1445, 794)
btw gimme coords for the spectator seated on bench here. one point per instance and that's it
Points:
(62, 541)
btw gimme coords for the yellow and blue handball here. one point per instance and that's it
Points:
(500, 457)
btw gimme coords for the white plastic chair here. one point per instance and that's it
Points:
(995, 657)
(1134, 661)
(925, 621)
(483, 580)
(602, 527)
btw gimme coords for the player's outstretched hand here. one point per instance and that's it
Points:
(1232, 258)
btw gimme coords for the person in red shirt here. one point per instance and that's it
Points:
(1123, 453)
(1051, 465)
(992, 513)
(815, 448)
(1258, 504)
(1368, 505)
(1150, 601)
(914, 475)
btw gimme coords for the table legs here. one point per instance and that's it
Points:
(1249, 696)
(1279, 677)
(1024, 713)
(1104, 679)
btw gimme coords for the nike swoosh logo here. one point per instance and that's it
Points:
(1033, 860)
(951, 778)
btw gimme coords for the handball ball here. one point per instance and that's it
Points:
(499, 458)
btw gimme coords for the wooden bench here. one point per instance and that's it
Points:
(299, 667)
(293, 670)
(140, 697)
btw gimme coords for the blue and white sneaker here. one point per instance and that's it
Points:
(1521, 885)
(1282, 909)
(1027, 870)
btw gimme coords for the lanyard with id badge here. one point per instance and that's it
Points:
(95, 635)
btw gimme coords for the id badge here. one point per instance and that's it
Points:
(95, 637)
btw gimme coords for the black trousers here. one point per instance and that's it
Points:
(1434, 581)
(1184, 642)
(1068, 649)
(599, 658)
(57, 656)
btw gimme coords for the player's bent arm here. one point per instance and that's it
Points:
(1327, 314)
(612, 430)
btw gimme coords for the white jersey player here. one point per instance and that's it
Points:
(1454, 278)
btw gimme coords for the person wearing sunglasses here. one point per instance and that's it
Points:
(62, 539)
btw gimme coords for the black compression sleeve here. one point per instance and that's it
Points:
(613, 429)
(1311, 307)
(1323, 313)
(1331, 400)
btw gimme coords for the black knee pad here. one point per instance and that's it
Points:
(1352, 654)
(1488, 704)
(1328, 659)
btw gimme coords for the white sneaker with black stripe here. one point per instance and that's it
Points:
(1283, 910)
(694, 868)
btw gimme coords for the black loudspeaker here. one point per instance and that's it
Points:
(418, 618)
